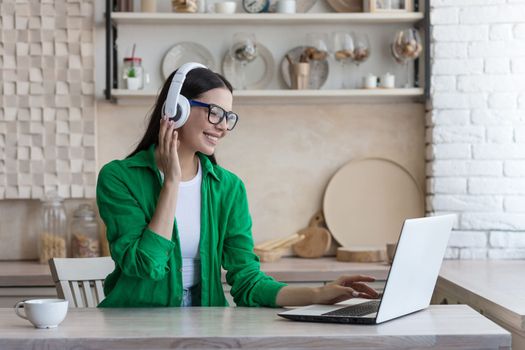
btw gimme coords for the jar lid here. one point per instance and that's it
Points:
(53, 198)
(133, 59)
(84, 210)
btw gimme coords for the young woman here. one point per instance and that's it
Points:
(174, 217)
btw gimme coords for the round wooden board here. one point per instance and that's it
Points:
(367, 201)
(363, 255)
(315, 244)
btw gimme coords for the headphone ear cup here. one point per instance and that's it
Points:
(183, 112)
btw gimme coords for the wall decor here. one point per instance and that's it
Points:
(47, 105)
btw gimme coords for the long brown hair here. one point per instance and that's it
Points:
(198, 81)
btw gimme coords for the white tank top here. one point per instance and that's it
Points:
(188, 215)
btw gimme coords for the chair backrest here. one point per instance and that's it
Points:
(80, 280)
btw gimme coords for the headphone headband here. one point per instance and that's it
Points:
(175, 106)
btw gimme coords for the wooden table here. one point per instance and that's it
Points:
(439, 327)
(496, 288)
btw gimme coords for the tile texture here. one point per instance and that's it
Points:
(47, 119)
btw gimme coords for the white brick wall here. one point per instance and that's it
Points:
(476, 125)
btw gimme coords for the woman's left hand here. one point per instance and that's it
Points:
(346, 287)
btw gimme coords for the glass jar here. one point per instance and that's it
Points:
(185, 6)
(133, 73)
(52, 242)
(85, 241)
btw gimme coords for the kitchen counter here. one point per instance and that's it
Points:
(24, 274)
(33, 274)
(20, 280)
(438, 327)
(496, 288)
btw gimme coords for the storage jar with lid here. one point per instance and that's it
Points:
(85, 241)
(52, 242)
(133, 73)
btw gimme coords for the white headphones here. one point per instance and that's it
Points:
(177, 107)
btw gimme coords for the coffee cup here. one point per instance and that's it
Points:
(43, 313)
(225, 7)
(285, 6)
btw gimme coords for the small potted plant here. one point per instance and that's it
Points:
(132, 81)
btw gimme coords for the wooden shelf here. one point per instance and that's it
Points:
(264, 18)
(292, 96)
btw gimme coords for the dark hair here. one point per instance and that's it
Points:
(198, 81)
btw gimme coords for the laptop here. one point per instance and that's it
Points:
(410, 282)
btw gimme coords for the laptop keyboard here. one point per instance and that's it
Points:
(356, 310)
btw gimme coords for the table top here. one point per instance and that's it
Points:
(33, 274)
(439, 326)
(496, 286)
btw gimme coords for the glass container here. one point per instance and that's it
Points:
(52, 242)
(85, 240)
(133, 73)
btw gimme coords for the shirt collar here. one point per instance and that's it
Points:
(146, 158)
(207, 166)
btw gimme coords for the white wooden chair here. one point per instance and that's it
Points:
(80, 280)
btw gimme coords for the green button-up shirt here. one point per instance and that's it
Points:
(148, 268)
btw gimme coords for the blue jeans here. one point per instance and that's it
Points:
(191, 296)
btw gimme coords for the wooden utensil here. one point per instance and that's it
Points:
(274, 249)
(269, 255)
(315, 243)
(363, 254)
(279, 242)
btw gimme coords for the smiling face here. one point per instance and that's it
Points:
(198, 134)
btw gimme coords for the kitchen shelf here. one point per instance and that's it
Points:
(264, 18)
(292, 96)
(418, 19)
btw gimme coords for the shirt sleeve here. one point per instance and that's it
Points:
(136, 249)
(250, 286)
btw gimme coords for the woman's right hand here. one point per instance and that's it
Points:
(168, 146)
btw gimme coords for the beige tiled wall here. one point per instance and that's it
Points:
(47, 107)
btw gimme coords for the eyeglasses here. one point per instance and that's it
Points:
(217, 114)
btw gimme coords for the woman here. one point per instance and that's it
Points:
(174, 216)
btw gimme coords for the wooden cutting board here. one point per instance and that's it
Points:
(315, 243)
(317, 220)
(367, 201)
(361, 254)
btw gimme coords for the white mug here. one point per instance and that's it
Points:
(43, 313)
(286, 6)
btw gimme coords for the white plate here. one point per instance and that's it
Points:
(318, 69)
(258, 73)
(185, 52)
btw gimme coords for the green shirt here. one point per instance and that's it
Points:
(148, 268)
